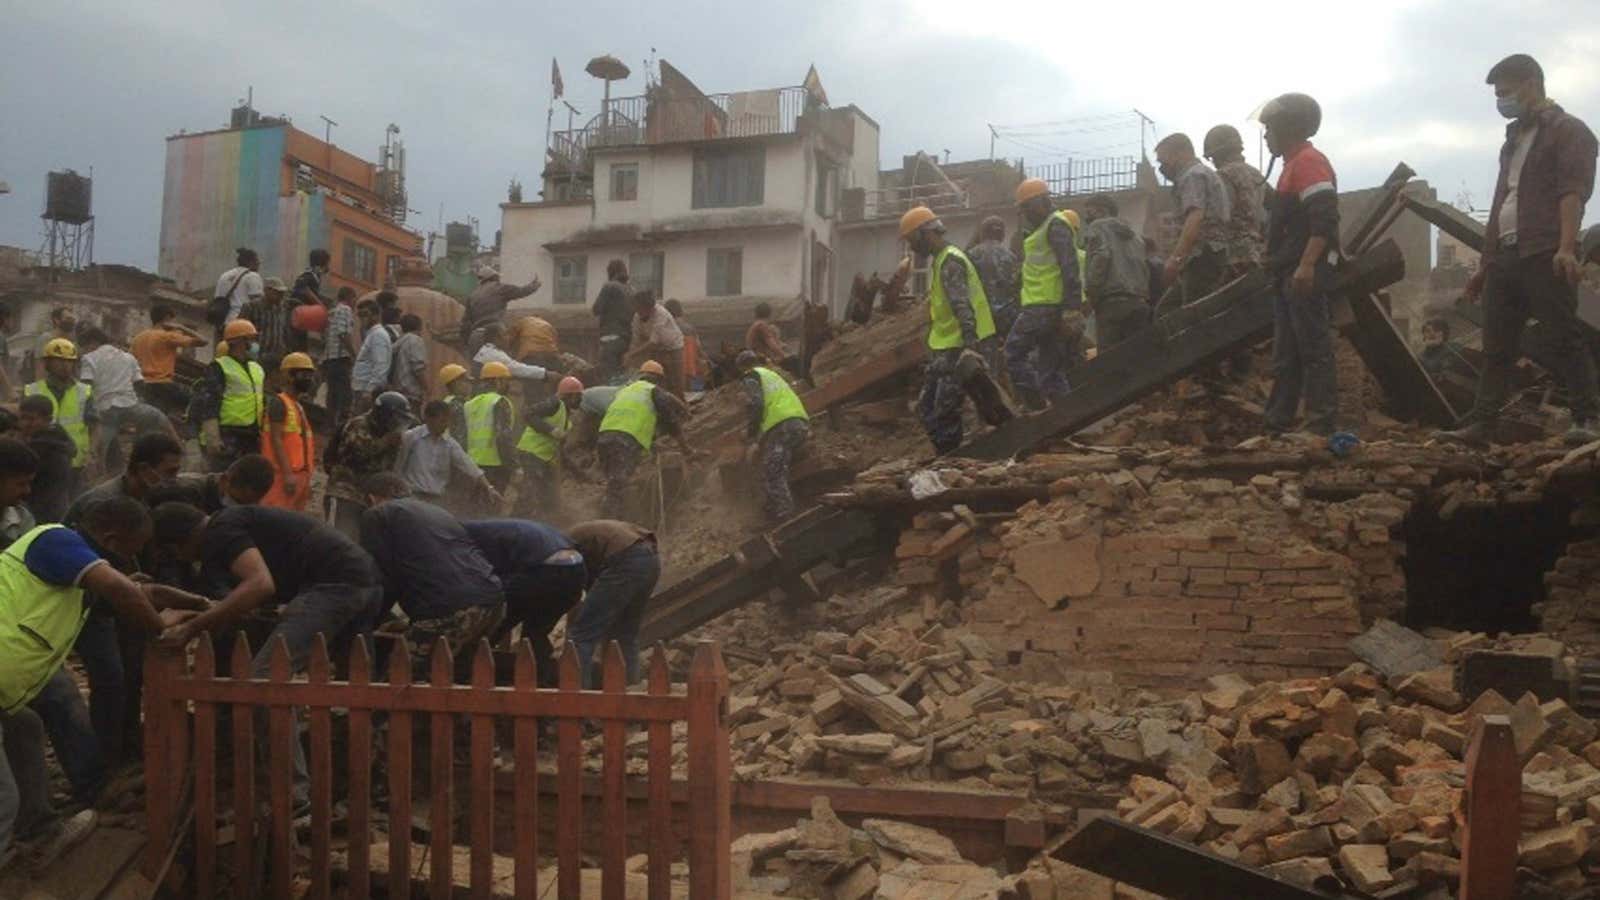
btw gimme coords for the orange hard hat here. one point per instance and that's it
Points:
(1031, 188)
(569, 385)
(239, 328)
(915, 218)
(651, 367)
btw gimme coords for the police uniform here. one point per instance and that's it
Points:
(239, 415)
(959, 319)
(779, 419)
(72, 413)
(1035, 350)
(483, 437)
(538, 451)
(627, 433)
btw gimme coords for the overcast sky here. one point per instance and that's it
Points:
(101, 85)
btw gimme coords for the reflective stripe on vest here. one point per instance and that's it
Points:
(1042, 284)
(39, 622)
(779, 402)
(298, 441)
(543, 445)
(241, 394)
(944, 332)
(481, 443)
(633, 412)
(68, 413)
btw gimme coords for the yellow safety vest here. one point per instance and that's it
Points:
(543, 445)
(779, 402)
(1042, 284)
(633, 412)
(39, 622)
(242, 399)
(944, 332)
(481, 443)
(68, 414)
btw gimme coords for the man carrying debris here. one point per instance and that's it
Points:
(1530, 265)
(628, 432)
(321, 580)
(430, 456)
(491, 426)
(288, 440)
(230, 398)
(542, 448)
(777, 427)
(1035, 349)
(656, 336)
(543, 575)
(1115, 276)
(615, 317)
(431, 569)
(959, 323)
(70, 401)
(367, 445)
(1302, 244)
(623, 566)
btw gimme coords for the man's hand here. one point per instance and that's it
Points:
(535, 284)
(904, 269)
(1300, 282)
(1169, 272)
(166, 597)
(1474, 288)
(494, 496)
(291, 484)
(1567, 266)
(177, 627)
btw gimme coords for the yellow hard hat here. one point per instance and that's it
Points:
(450, 372)
(651, 367)
(297, 361)
(1031, 188)
(915, 218)
(1071, 215)
(495, 370)
(60, 348)
(239, 328)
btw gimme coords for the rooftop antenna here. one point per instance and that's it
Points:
(327, 130)
(1144, 121)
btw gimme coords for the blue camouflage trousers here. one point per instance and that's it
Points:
(778, 448)
(939, 406)
(1035, 355)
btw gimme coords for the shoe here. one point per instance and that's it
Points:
(62, 837)
(1583, 431)
(1470, 433)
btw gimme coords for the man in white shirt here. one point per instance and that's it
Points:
(111, 373)
(490, 352)
(242, 283)
(429, 456)
(370, 374)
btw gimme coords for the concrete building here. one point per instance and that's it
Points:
(718, 200)
(267, 185)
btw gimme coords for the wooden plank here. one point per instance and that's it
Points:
(569, 760)
(710, 822)
(525, 799)
(162, 669)
(1489, 836)
(360, 801)
(399, 773)
(1378, 217)
(659, 815)
(613, 861)
(280, 773)
(1447, 219)
(205, 775)
(244, 777)
(1409, 389)
(441, 797)
(481, 827)
(320, 765)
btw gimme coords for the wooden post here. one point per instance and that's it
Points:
(1489, 809)
(613, 859)
(569, 785)
(525, 796)
(320, 766)
(245, 817)
(360, 831)
(710, 816)
(161, 669)
(660, 773)
(481, 827)
(441, 786)
(205, 775)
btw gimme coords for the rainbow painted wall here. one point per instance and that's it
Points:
(224, 190)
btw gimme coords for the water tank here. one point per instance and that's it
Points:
(458, 238)
(66, 197)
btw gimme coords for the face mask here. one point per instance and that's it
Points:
(1509, 106)
(255, 347)
(304, 385)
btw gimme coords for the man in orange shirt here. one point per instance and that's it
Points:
(287, 440)
(157, 348)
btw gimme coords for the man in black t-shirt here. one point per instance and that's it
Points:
(323, 581)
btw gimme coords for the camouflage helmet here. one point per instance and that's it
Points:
(1221, 139)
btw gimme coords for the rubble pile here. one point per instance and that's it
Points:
(1361, 775)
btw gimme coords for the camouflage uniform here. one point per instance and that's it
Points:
(939, 406)
(778, 450)
(1247, 214)
(618, 455)
(461, 631)
(1001, 275)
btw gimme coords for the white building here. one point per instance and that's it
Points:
(719, 201)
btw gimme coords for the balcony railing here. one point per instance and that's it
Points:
(656, 118)
(1088, 176)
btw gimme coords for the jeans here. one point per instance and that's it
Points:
(24, 781)
(113, 658)
(613, 608)
(338, 611)
(1036, 354)
(66, 720)
(1515, 290)
(1302, 363)
(536, 598)
(336, 375)
(939, 404)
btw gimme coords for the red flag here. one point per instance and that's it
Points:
(556, 87)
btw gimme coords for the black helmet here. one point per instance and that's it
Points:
(393, 404)
(1221, 139)
(1293, 116)
(746, 359)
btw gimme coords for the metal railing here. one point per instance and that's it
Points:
(940, 198)
(1088, 176)
(224, 717)
(658, 119)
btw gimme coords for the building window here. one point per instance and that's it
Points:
(647, 271)
(724, 272)
(729, 177)
(825, 188)
(360, 262)
(625, 181)
(571, 279)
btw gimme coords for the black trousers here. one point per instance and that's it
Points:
(1515, 290)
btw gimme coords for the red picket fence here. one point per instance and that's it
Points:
(182, 733)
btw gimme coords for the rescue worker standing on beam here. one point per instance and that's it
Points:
(959, 323)
(231, 398)
(1302, 243)
(778, 427)
(1051, 284)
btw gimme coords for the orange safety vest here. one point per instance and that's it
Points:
(300, 446)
